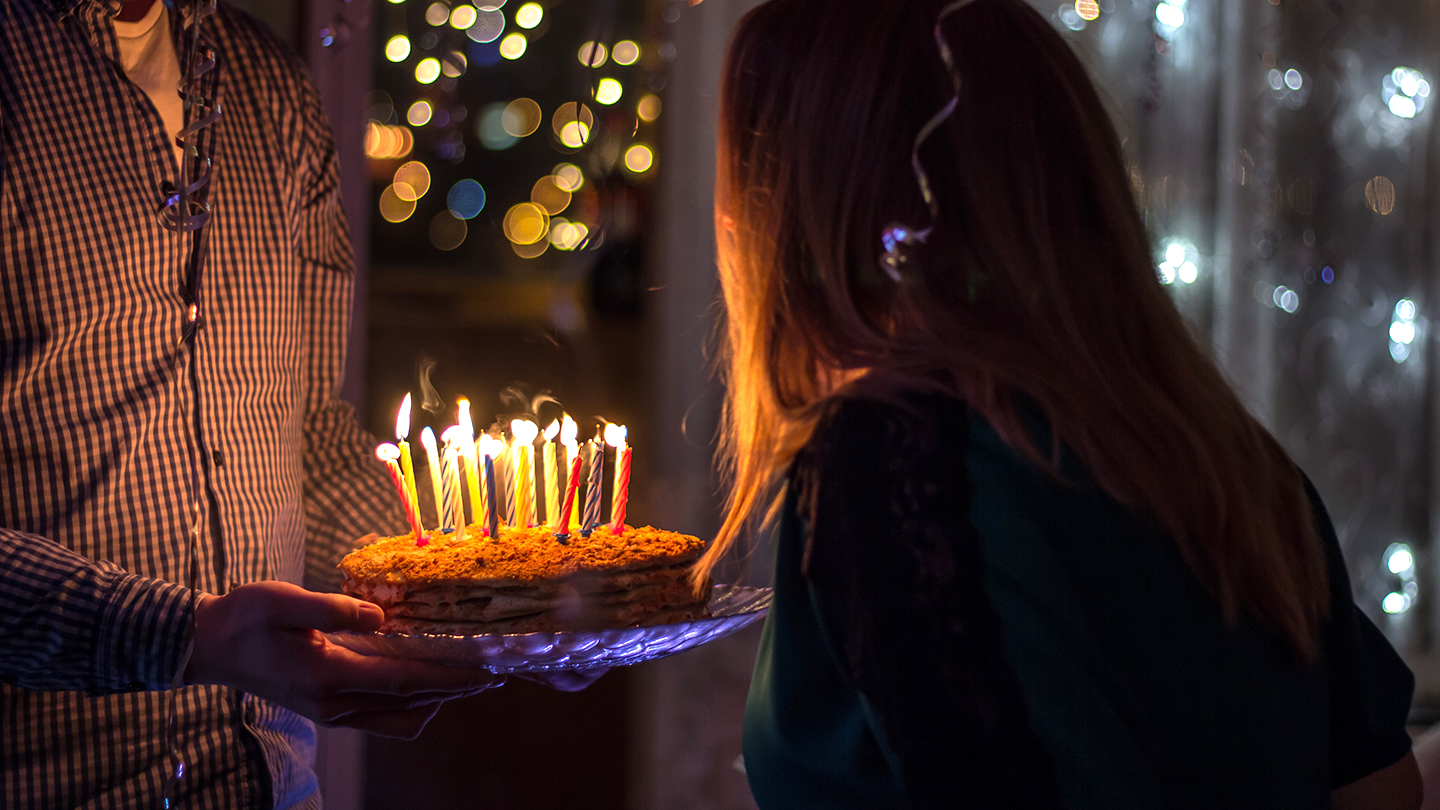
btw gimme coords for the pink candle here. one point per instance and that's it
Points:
(615, 436)
(390, 454)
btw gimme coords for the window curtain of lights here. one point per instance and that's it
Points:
(516, 140)
(1281, 156)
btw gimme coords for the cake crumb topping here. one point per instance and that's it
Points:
(518, 555)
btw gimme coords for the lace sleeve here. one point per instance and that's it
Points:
(896, 578)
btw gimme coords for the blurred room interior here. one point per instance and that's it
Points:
(528, 190)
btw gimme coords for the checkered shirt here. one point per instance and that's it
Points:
(100, 408)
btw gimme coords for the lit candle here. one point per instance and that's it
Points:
(390, 454)
(552, 476)
(450, 467)
(488, 448)
(568, 432)
(470, 454)
(615, 437)
(522, 455)
(427, 438)
(407, 466)
(592, 487)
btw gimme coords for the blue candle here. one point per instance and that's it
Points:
(493, 512)
(593, 487)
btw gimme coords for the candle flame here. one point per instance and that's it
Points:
(402, 420)
(491, 446)
(552, 429)
(466, 425)
(387, 452)
(524, 431)
(427, 438)
(454, 436)
(569, 431)
(615, 435)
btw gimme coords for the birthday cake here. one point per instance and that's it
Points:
(527, 581)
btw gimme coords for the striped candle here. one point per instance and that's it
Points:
(592, 488)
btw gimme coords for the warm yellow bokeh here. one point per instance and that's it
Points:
(395, 208)
(625, 52)
(414, 176)
(608, 91)
(649, 107)
(513, 46)
(639, 158)
(569, 177)
(428, 70)
(521, 117)
(592, 54)
(526, 223)
(549, 195)
(397, 48)
(529, 15)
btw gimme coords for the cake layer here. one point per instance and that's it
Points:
(526, 581)
(519, 556)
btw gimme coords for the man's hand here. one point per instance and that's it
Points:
(267, 639)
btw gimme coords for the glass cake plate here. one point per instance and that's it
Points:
(730, 608)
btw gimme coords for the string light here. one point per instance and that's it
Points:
(1403, 330)
(419, 113)
(649, 107)
(437, 14)
(447, 231)
(568, 176)
(394, 208)
(639, 158)
(1380, 195)
(608, 91)
(454, 64)
(1179, 262)
(548, 194)
(387, 141)
(529, 15)
(428, 70)
(463, 17)
(526, 223)
(625, 52)
(592, 54)
(488, 27)
(413, 179)
(397, 48)
(512, 47)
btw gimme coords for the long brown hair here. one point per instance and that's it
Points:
(1038, 283)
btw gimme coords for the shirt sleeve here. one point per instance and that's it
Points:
(896, 577)
(1370, 686)
(70, 623)
(348, 494)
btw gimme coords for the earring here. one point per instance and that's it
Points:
(900, 243)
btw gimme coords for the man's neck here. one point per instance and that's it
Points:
(134, 10)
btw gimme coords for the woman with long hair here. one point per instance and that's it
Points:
(1032, 551)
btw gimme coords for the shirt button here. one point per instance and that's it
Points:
(217, 457)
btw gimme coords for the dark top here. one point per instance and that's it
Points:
(953, 627)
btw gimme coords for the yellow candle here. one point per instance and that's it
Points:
(470, 453)
(552, 476)
(523, 473)
(407, 465)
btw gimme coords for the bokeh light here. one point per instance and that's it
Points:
(419, 113)
(387, 141)
(1380, 195)
(526, 223)
(488, 27)
(466, 199)
(568, 176)
(532, 251)
(548, 194)
(415, 178)
(1179, 262)
(447, 231)
(463, 17)
(649, 107)
(428, 70)
(393, 208)
(512, 47)
(567, 235)
(574, 134)
(568, 113)
(608, 91)
(639, 158)
(454, 64)
(437, 14)
(490, 127)
(521, 117)
(1087, 9)
(592, 54)
(529, 15)
(397, 48)
(625, 52)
